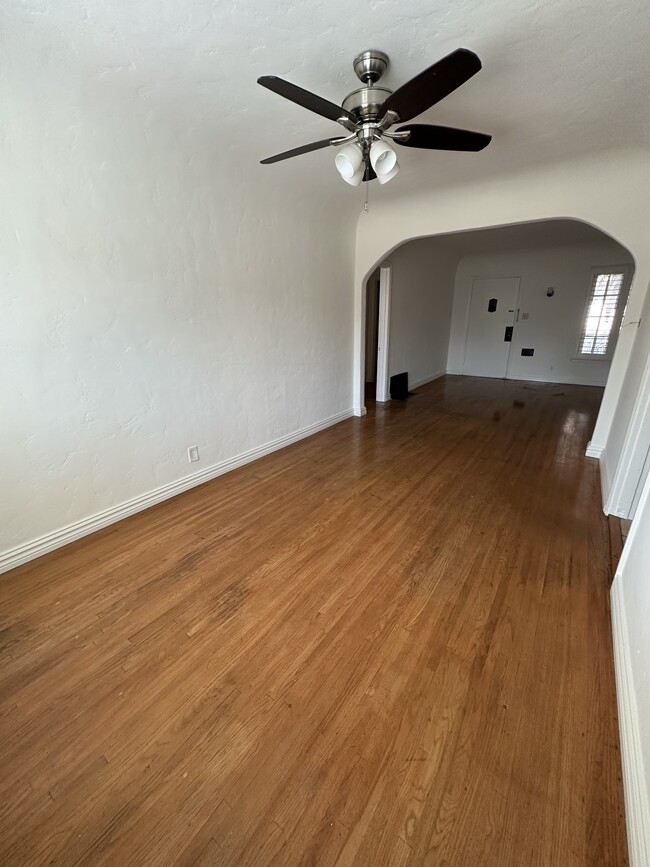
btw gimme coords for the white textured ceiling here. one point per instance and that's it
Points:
(560, 77)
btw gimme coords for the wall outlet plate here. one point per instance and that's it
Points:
(193, 454)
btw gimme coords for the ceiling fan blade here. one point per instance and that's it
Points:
(305, 98)
(314, 146)
(432, 85)
(369, 174)
(443, 138)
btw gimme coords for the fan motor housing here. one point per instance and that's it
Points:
(365, 102)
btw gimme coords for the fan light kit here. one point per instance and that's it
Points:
(370, 111)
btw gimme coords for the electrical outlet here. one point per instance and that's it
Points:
(193, 453)
(524, 315)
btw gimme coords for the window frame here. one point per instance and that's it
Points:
(594, 272)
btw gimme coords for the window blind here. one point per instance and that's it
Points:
(601, 313)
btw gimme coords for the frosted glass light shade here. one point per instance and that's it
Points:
(383, 159)
(357, 177)
(348, 160)
(388, 176)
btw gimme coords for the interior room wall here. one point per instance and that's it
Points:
(621, 478)
(631, 615)
(157, 294)
(554, 324)
(422, 281)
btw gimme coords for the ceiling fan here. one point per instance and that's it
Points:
(370, 111)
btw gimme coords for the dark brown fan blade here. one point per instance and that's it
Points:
(432, 85)
(369, 174)
(314, 146)
(443, 138)
(304, 98)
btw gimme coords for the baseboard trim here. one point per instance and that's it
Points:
(360, 411)
(637, 808)
(419, 382)
(605, 486)
(594, 451)
(560, 380)
(557, 380)
(77, 530)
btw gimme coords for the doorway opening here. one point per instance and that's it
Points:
(522, 301)
(377, 335)
(372, 335)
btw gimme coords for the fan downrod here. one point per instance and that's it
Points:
(365, 102)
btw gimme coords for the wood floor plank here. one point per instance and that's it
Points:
(388, 644)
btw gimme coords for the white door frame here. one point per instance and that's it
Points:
(383, 336)
(514, 323)
(645, 472)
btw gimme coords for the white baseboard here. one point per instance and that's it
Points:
(57, 539)
(605, 486)
(637, 808)
(419, 382)
(359, 411)
(594, 451)
(598, 452)
(560, 380)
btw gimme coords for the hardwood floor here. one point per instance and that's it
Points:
(386, 645)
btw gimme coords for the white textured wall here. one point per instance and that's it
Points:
(554, 324)
(422, 289)
(629, 436)
(156, 293)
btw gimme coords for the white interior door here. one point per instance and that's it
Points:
(492, 311)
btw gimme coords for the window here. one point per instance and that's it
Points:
(603, 314)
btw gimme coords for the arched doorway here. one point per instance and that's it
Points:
(545, 278)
